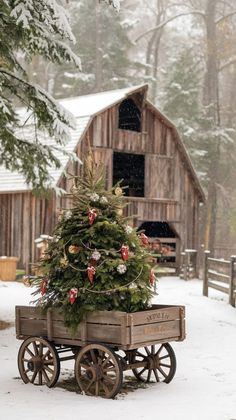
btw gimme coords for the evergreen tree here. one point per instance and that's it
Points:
(29, 28)
(96, 261)
(103, 45)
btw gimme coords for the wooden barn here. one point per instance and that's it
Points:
(138, 144)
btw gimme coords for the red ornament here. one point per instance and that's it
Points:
(91, 272)
(144, 239)
(43, 287)
(73, 293)
(152, 277)
(125, 252)
(92, 214)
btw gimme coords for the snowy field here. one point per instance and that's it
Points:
(204, 387)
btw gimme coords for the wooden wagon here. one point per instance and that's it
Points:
(105, 344)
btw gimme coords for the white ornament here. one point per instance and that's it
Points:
(103, 200)
(128, 229)
(121, 268)
(68, 214)
(96, 255)
(94, 197)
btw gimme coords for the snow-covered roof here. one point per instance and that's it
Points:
(83, 108)
(13, 181)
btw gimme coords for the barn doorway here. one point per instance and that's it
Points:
(129, 116)
(164, 243)
(129, 167)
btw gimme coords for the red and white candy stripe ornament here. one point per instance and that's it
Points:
(91, 273)
(92, 214)
(73, 293)
(152, 277)
(144, 239)
(125, 252)
(43, 287)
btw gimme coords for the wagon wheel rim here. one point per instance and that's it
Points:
(159, 363)
(38, 362)
(98, 371)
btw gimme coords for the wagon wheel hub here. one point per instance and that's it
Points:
(35, 364)
(153, 362)
(94, 373)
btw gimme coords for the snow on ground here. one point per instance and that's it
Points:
(204, 387)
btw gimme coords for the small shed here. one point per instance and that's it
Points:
(138, 144)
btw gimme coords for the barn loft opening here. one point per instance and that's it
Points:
(130, 168)
(129, 116)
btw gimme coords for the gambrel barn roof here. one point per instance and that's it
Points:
(84, 109)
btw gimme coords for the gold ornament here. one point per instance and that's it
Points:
(64, 262)
(118, 191)
(26, 281)
(74, 249)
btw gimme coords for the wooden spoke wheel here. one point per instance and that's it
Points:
(38, 362)
(159, 363)
(98, 371)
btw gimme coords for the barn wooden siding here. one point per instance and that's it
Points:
(23, 218)
(171, 193)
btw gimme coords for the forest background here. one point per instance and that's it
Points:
(186, 52)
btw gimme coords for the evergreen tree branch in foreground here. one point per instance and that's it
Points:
(96, 260)
(29, 28)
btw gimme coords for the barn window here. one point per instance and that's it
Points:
(129, 116)
(130, 168)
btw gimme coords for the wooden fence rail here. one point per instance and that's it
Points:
(220, 274)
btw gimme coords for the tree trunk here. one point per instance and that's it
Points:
(211, 101)
(98, 57)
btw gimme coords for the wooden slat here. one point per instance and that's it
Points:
(213, 275)
(218, 287)
(156, 316)
(156, 330)
(222, 267)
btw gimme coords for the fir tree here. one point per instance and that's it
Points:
(103, 44)
(96, 261)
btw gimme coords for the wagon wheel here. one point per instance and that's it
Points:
(38, 362)
(98, 371)
(159, 363)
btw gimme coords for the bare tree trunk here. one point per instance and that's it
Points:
(211, 101)
(98, 58)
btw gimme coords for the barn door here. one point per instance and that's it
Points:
(159, 172)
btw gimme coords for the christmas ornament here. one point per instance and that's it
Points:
(125, 252)
(64, 262)
(121, 268)
(91, 272)
(118, 191)
(43, 287)
(144, 239)
(128, 229)
(96, 255)
(103, 200)
(26, 281)
(92, 214)
(73, 293)
(94, 197)
(74, 249)
(152, 277)
(68, 214)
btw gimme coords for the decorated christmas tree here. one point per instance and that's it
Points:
(96, 259)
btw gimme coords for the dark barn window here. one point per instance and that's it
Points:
(129, 116)
(130, 168)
